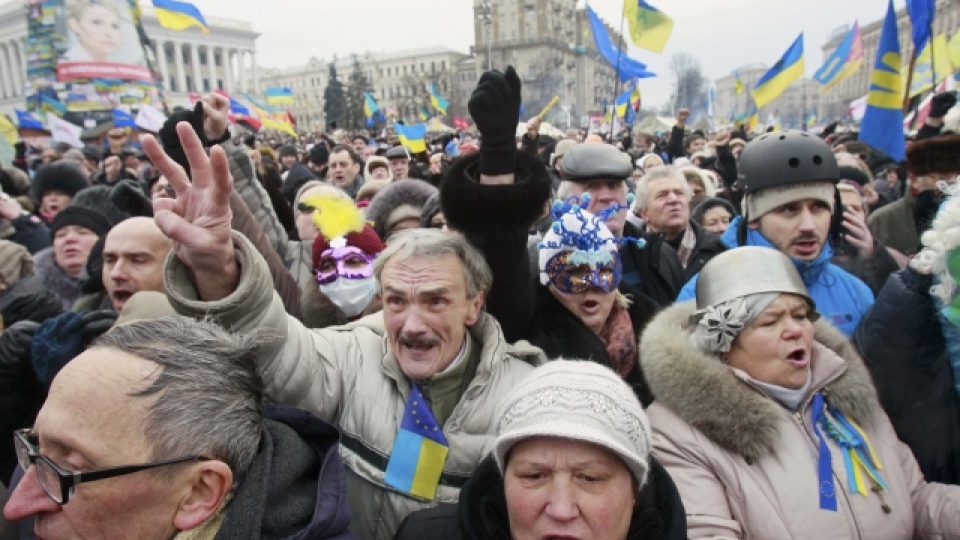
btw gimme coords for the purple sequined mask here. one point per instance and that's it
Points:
(348, 261)
(571, 278)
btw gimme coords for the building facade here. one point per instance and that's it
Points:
(836, 99)
(187, 60)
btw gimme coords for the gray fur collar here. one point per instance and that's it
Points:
(706, 394)
(56, 280)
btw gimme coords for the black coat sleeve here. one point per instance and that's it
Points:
(675, 146)
(31, 233)
(726, 166)
(496, 219)
(926, 131)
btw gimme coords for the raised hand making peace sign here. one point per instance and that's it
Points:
(198, 219)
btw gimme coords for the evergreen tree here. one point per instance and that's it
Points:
(356, 86)
(334, 102)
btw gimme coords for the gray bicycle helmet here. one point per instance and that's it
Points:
(787, 157)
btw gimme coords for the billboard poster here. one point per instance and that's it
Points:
(85, 57)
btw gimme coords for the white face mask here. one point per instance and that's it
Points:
(350, 295)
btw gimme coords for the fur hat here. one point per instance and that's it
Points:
(97, 198)
(82, 217)
(396, 202)
(934, 155)
(15, 263)
(319, 154)
(65, 176)
(379, 161)
(580, 401)
(707, 204)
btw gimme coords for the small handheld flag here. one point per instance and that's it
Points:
(419, 451)
(413, 137)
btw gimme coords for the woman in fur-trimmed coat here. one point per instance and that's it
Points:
(746, 466)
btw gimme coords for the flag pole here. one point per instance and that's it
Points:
(616, 85)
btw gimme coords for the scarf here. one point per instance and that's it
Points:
(620, 340)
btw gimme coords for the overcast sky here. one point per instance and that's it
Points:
(722, 34)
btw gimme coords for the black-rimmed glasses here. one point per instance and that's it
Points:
(60, 483)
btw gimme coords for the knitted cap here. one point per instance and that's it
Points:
(65, 176)
(760, 202)
(581, 401)
(82, 217)
(579, 231)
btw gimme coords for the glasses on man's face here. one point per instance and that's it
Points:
(59, 483)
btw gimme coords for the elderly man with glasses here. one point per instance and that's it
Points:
(159, 431)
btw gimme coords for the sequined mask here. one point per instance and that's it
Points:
(348, 261)
(572, 276)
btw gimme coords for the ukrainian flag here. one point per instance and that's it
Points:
(369, 106)
(650, 28)
(738, 82)
(788, 69)
(622, 103)
(882, 125)
(279, 95)
(436, 101)
(845, 59)
(52, 104)
(414, 137)
(420, 449)
(179, 15)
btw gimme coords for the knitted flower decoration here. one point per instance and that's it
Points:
(719, 325)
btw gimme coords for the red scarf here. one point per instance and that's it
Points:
(621, 341)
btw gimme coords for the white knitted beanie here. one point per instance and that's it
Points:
(578, 400)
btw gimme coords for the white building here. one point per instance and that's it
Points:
(188, 60)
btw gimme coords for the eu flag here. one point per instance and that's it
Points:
(882, 125)
(419, 451)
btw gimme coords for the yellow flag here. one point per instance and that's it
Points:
(925, 74)
(8, 130)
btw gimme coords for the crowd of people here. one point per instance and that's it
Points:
(658, 336)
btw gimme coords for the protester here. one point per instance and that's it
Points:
(910, 342)
(563, 467)
(133, 255)
(182, 397)
(714, 215)
(344, 169)
(792, 209)
(54, 186)
(769, 424)
(433, 285)
(399, 162)
(377, 168)
(62, 267)
(398, 206)
(663, 203)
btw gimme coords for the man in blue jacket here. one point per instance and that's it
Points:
(790, 204)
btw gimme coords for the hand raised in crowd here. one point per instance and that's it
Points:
(198, 219)
(10, 209)
(495, 108)
(858, 233)
(216, 109)
(112, 166)
(682, 115)
(533, 126)
(722, 138)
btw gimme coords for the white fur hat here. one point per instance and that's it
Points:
(581, 401)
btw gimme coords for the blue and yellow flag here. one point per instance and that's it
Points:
(738, 82)
(279, 95)
(122, 118)
(622, 103)
(788, 69)
(420, 449)
(52, 104)
(926, 75)
(436, 100)
(614, 55)
(922, 13)
(179, 15)
(370, 107)
(843, 61)
(650, 28)
(635, 98)
(8, 131)
(26, 120)
(414, 137)
(882, 125)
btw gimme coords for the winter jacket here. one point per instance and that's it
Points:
(894, 225)
(873, 270)
(841, 298)
(903, 346)
(708, 245)
(348, 376)
(526, 309)
(746, 467)
(653, 269)
(298, 175)
(482, 514)
(67, 288)
(30, 232)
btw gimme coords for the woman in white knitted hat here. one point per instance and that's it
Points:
(768, 421)
(571, 460)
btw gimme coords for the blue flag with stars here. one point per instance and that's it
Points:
(419, 451)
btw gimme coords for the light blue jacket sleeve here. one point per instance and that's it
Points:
(689, 291)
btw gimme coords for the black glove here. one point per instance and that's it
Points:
(129, 197)
(36, 307)
(95, 323)
(941, 103)
(15, 347)
(829, 130)
(495, 108)
(171, 142)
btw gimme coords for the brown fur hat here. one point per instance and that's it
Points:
(934, 155)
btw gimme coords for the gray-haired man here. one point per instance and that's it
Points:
(159, 429)
(432, 339)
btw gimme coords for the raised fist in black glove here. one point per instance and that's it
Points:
(60, 339)
(941, 103)
(495, 108)
(128, 196)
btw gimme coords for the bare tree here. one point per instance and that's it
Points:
(690, 86)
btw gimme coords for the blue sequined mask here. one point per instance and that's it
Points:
(571, 277)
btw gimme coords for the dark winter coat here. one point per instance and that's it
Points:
(496, 219)
(653, 269)
(708, 245)
(66, 288)
(903, 346)
(298, 175)
(482, 511)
